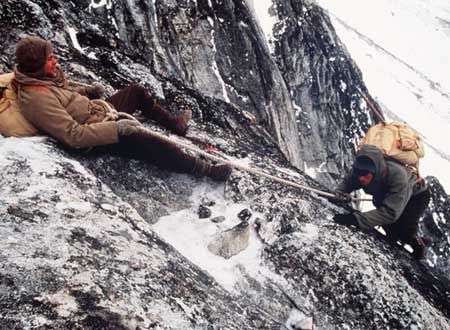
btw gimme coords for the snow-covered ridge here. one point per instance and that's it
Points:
(402, 49)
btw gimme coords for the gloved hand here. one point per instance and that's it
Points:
(127, 127)
(95, 91)
(340, 197)
(346, 219)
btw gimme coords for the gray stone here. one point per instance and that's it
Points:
(305, 324)
(203, 212)
(245, 215)
(232, 241)
(218, 219)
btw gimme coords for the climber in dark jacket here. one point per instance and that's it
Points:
(400, 198)
(79, 122)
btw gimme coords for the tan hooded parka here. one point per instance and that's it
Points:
(67, 116)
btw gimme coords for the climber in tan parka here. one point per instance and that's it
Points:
(52, 108)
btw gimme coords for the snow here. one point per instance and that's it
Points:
(298, 109)
(214, 64)
(311, 171)
(299, 319)
(73, 38)
(98, 4)
(65, 303)
(264, 18)
(191, 236)
(397, 26)
(410, 79)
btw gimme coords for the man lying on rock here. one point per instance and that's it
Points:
(78, 122)
(400, 198)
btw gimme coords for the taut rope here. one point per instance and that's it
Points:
(246, 168)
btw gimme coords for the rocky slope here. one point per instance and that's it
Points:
(297, 93)
(88, 241)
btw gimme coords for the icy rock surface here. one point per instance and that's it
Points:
(74, 255)
(436, 225)
(295, 92)
(96, 241)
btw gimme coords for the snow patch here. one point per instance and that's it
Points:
(265, 19)
(74, 39)
(214, 64)
(191, 236)
(311, 171)
(406, 78)
(98, 4)
(65, 303)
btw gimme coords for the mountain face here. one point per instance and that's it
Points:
(435, 224)
(323, 82)
(95, 241)
(297, 94)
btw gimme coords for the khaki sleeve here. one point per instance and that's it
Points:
(42, 108)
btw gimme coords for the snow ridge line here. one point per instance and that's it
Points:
(434, 85)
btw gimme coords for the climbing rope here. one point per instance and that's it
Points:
(246, 168)
(239, 166)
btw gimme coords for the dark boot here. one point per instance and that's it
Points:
(177, 124)
(220, 172)
(181, 123)
(419, 248)
(216, 172)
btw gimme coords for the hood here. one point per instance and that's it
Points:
(31, 55)
(59, 81)
(376, 155)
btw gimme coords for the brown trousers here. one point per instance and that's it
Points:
(135, 97)
(407, 226)
(145, 147)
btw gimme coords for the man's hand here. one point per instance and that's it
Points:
(127, 127)
(95, 91)
(346, 220)
(340, 197)
(92, 92)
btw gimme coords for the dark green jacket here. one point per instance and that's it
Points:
(391, 188)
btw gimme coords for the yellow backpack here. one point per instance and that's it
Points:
(12, 122)
(398, 141)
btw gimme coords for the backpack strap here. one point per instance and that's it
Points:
(410, 168)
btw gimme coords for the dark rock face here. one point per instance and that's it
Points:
(360, 301)
(436, 224)
(75, 256)
(296, 98)
(77, 245)
(322, 79)
(244, 215)
(216, 47)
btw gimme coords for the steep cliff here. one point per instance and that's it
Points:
(296, 93)
(93, 241)
(322, 80)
